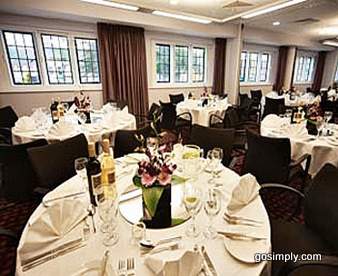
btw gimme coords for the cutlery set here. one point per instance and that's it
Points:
(126, 267)
(239, 220)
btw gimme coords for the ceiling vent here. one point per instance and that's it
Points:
(306, 21)
(237, 4)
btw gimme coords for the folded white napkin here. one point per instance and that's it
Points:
(62, 129)
(54, 225)
(296, 131)
(272, 121)
(125, 110)
(245, 192)
(25, 123)
(178, 262)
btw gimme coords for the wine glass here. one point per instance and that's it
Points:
(327, 117)
(65, 106)
(107, 210)
(82, 117)
(212, 207)
(215, 157)
(152, 144)
(80, 168)
(192, 203)
(320, 125)
(191, 158)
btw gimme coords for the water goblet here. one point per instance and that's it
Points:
(80, 168)
(192, 203)
(212, 207)
(215, 157)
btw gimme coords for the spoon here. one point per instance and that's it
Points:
(147, 243)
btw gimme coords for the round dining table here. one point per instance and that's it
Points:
(93, 131)
(201, 114)
(224, 262)
(323, 149)
(301, 100)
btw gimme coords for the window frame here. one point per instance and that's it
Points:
(336, 75)
(175, 63)
(257, 81)
(169, 64)
(305, 66)
(77, 59)
(68, 38)
(266, 67)
(204, 63)
(9, 63)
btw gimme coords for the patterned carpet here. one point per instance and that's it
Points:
(13, 216)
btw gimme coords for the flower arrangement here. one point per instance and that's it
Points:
(314, 113)
(205, 93)
(82, 102)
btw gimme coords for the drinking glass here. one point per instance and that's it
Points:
(288, 113)
(65, 106)
(82, 118)
(152, 144)
(80, 168)
(212, 207)
(138, 232)
(107, 210)
(215, 158)
(191, 158)
(192, 203)
(327, 117)
(320, 125)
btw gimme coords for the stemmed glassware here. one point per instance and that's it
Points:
(192, 202)
(80, 168)
(327, 117)
(191, 157)
(82, 118)
(215, 157)
(212, 207)
(107, 210)
(320, 125)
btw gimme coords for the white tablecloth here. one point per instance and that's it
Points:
(125, 121)
(201, 115)
(321, 149)
(225, 264)
(302, 100)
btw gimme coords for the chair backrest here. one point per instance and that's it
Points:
(154, 111)
(268, 159)
(231, 117)
(274, 106)
(126, 142)
(168, 115)
(256, 95)
(176, 98)
(8, 117)
(122, 104)
(17, 179)
(208, 138)
(321, 205)
(54, 163)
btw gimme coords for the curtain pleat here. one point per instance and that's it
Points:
(317, 80)
(281, 67)
(123, 65)
(219, 66)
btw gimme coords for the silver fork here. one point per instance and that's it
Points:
(130, 267)
(121, 269)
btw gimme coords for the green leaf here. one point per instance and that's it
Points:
(151, 197)
(137, 181)
(178, 179)
(177, 221)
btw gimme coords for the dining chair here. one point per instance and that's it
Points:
(54, 163)
(274, 106)
(318, 235)
(8, 117)
(176, 98)
(256, 106)
(208, 138)
(17, 179)
(170, 120)
(126, 140)
(151, 116)
(269, 160)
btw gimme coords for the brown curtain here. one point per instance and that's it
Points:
(293, 68)
(281, 67)
(219, 66)
(123, 66)
(317, 80)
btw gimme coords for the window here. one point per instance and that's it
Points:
(57, 56)
(255, 67)
(162, 63)
(198, 64)
(22, 58)
(336, 78)
(87, 60)
(304, 68)
(243, 66)
(181, 64)
(264, 67)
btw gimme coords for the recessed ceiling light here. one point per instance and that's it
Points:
(272, 8)
(112, 4)
(333, 43)
(276, 23)
(173, 2)
(182, 17)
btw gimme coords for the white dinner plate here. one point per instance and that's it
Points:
(245, 250)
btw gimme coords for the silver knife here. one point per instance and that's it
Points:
(208, 261)
(239, 236)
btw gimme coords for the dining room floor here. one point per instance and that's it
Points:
(14, 215)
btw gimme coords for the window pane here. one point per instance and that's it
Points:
(264, 67)
(336, 78)
(253, 62)
(57, 56)
(304, 68)
(162, 63)
(243, 66)
(198, 64)
(181, 63)
(87, 60)
(22, 57)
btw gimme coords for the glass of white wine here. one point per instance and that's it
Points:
(192, 203)
(212, 207)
